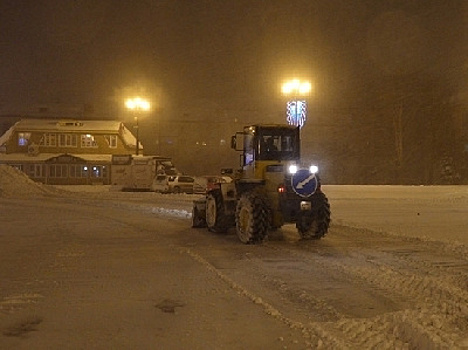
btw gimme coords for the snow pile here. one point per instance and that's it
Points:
(15, 183)
(84, 188)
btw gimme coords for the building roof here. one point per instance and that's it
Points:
(41, 157)
(71, 125)
(6, 136)
(67, 125)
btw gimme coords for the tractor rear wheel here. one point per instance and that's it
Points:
(251, 218)
(215, 217)
(198, 220)
(314, 224)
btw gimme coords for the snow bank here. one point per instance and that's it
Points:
(15, 183)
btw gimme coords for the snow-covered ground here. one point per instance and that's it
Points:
(392, 273)
(431, 213)
(427, 212)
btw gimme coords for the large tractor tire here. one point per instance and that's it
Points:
(314, 224)
(251, 218)
(215, 217)
(198, 218)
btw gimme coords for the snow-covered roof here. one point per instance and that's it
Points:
(94, 157)
(71, 125)
(67, 125)
(6, 136)
(41, 157)
(129, 139)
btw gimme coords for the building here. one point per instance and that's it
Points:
(66, 151)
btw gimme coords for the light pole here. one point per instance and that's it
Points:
(296, 88)
(137, 105)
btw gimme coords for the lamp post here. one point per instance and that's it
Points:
(137, 105)
(296, 88)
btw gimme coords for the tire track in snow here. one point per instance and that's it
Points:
(434, 259)
(444, 305)
(365, 236)
(423, 326)
(317, 333)
(438, 261)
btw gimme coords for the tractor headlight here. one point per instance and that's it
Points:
(293, 169)
(313, 169)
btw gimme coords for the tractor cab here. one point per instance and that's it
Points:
(270, 143)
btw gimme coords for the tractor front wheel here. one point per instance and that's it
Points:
(314, 224)
(251, 218)
(215, 218)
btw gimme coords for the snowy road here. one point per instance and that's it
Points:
(126, 270)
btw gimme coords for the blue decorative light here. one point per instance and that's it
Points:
(296, 112)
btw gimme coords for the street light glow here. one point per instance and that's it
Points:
(305, 88)
(296, 87)
(137, 103)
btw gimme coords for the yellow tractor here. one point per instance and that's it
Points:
(270, 189)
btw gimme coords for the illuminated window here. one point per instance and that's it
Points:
(111, 140)
(68, 140)
(99, 171)
(88, 141)
(23, 138)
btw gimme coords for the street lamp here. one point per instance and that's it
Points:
(137, 105)
(296, 109)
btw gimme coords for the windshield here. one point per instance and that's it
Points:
(278, 144)
(271, 143)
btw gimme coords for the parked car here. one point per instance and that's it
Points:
(160, 184)
(208, 182)
(181, 183)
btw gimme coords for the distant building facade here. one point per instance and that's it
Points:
(66, 151)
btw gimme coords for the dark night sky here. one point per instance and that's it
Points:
(231, 53)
